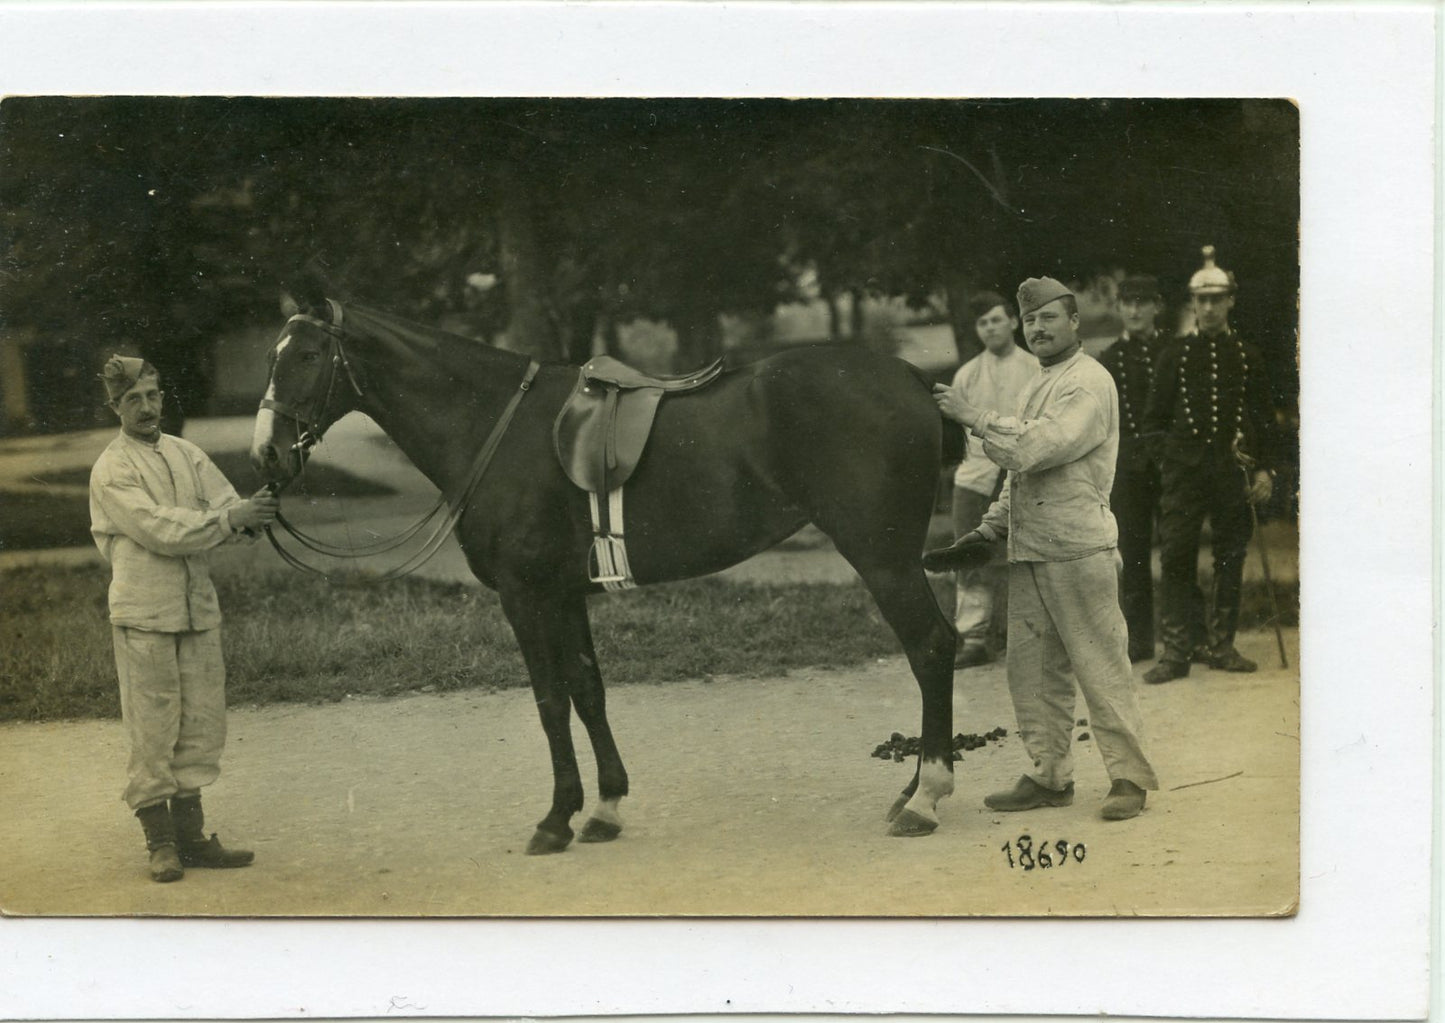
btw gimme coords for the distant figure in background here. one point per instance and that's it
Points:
(991, 381)
(1060, 449)
(157, 504)
(1135, 497)
(1211, 420)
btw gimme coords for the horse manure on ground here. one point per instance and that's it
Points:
(900, 746)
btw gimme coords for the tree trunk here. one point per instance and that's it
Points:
(957, 286)
(611, 340)
(855, 315)
(835, 318)
(578, 329)
(531, 329)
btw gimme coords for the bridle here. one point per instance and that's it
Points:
(309, 413)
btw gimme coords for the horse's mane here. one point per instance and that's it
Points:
(407, 337)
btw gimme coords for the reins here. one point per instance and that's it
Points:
(311, 437)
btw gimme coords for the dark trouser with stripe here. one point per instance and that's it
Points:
(1135, 504)
(1213, 488)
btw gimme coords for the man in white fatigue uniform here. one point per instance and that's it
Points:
(157, 504)
(992, 380)
(1060, 451)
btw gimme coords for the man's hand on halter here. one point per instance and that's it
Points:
(256, 512)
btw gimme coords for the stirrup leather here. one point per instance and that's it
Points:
(607, 560)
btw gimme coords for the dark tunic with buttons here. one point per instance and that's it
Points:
(1210, 392)
(1135, 497)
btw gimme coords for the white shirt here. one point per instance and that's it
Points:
(994, 383)
(155, 509)
(1060, 451)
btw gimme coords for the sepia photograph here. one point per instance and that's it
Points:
(342, 431)
(778, 508)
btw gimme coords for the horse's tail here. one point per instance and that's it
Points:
(955, 438)
(926, 379)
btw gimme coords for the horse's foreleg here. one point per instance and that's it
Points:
(590, 699)
(547, 627)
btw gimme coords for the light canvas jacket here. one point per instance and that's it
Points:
(992, 382)
(1060, 451)
(155, 510)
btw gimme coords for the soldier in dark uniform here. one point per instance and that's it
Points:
(1211, 422)
(1135, 495)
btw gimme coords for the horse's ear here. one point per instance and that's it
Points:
(311, 301)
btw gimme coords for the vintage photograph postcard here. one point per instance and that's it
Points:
(331, 424)
(514, 505)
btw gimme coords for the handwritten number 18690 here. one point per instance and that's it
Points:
(1044, 856)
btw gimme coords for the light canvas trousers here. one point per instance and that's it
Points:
(173, 706)
(1063, 615)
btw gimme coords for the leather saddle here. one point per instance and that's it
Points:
(601, 431)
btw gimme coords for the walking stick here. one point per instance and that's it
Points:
(1245, 463)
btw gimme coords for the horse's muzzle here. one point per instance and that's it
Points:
(273, 459)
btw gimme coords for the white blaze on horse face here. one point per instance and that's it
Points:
(935, 780)
(265, 430)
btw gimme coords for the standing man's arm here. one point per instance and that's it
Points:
(1260, 403)
(1077, 421)
(169, 530)
(1264, 431)
(245, 518)
(995, 524)
(1159, 410)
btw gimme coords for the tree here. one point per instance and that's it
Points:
(157, 222)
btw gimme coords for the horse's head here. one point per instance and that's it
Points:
(311, 385)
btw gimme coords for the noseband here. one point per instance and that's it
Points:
(309, 412)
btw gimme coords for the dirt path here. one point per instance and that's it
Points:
(751, 796)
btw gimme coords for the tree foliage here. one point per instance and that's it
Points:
(159, 221)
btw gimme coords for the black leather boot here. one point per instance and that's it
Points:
(196, 850)
(160, 832)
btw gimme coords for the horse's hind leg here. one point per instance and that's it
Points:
(928, 639)
(884, 543)
(551, 629)
(590, 699)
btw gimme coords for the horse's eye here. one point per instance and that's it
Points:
(310, 357)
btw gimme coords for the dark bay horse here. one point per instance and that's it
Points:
(837, 436)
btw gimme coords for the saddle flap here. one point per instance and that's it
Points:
(601, 432)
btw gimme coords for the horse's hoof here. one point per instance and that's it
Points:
(596, 830)
(544, 842)
(911, 825)
(896, 808)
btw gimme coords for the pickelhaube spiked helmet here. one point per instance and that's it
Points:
(1210, 279)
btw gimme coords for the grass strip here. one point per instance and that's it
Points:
(309, 640)
(298, 638)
